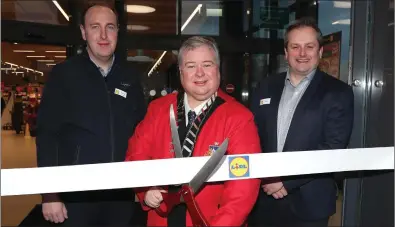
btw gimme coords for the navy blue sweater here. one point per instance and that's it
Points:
(85, 118)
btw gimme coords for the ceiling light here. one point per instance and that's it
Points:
(137, 27)
(28, 69)
(12, 64)
(343, 21)
(157, 63)
(61, 9)
(152, 93)
(35, 56)
(23, 51)
(60, 56)
(342, 4)
(139, 9)
(46, 60)
(55, 51)
(216, 12)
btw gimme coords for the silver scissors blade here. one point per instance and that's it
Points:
(209, 167)
(174, 134)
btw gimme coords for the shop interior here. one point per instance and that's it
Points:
(151, 37)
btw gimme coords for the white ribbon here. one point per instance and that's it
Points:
(178, 171)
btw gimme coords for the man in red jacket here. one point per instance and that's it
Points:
(206, 117)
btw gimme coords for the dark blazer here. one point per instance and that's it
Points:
(323, 119)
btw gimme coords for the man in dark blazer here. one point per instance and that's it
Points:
(299, 110)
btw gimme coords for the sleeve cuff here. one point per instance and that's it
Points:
(50, 197)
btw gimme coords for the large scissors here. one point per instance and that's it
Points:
(188, 191)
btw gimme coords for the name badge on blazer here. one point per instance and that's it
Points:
(120, 92)
(264, 101)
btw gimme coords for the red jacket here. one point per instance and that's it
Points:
(223, 203)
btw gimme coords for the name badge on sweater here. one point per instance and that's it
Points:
(120, 92)
(264, 101)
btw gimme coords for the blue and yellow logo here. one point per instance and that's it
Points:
(239, 166)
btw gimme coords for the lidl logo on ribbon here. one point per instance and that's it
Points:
(239, 166)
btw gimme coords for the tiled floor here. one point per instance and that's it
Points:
(19, 152)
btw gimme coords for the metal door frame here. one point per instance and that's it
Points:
(366, 47)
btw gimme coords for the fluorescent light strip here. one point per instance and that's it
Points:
(191, 16)
(61, 9)
(197, 9)
(342, 21)
(60, 56)
(342, 4)
(23, 51)
(157, 62)
(11, 64)
(28, 69)
(217, 12)
(55, 51)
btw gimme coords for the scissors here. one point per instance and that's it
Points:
(187, 192)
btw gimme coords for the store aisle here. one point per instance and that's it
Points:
(17, 152)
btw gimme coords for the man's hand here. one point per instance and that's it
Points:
(153, 197)
(280, 194)
(275, 189)
(54, 212)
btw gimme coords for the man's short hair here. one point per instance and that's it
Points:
(302, 23)
(198, 41)
(92, 4)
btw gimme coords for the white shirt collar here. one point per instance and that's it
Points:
(188, 108)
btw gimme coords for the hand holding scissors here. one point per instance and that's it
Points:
(188, 191)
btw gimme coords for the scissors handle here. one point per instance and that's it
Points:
(172, 199)
(197, 217)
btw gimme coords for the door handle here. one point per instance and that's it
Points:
(356, 83)
(379, 83)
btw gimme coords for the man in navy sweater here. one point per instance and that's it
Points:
(90, 106)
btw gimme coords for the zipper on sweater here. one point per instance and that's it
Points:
(77, 155)
(108, 94)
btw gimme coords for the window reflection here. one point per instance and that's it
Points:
(159, 71)
(335, 17)
(272, 16)
(44, 11)
(200, 17)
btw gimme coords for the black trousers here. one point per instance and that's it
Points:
(316, 223)
(269, 212)
(103, 213)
